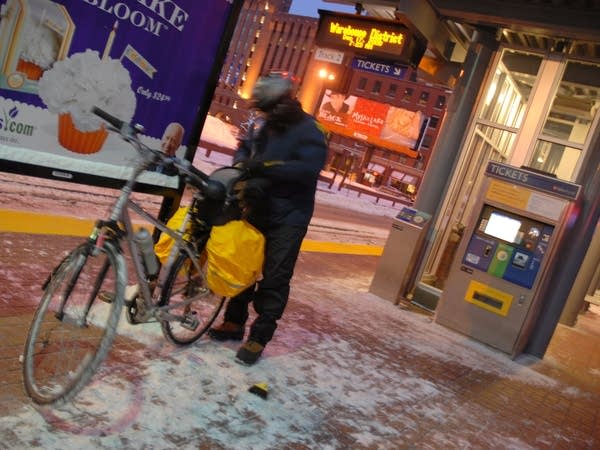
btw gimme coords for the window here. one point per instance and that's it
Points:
(424, 98)
(392, 90)
(554, 158)
(575, 103)
(536, 111)
(376, 87)
(440, 102)
(569, 121)
(408, 93)
(362, 84)
(508, 94)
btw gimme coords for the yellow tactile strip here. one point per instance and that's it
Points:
(36, 223)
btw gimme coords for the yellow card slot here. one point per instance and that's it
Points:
(488, 298)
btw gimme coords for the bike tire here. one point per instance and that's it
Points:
(181, 282)
(62, 352)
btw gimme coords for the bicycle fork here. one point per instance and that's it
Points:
(79, 264)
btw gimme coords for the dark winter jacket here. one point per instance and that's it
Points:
(292, 138)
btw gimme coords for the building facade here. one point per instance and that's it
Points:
(268, 38)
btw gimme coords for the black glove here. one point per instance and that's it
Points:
(253, 167)
(252, 188)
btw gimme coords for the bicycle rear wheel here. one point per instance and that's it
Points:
(185, 323)
(72, 330)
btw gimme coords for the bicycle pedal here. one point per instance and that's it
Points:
(190, 321)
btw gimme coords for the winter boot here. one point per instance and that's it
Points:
(227, 331)
(249, 352)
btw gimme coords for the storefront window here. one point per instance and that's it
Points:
(569, 121)
(508, 93)
(556, 159)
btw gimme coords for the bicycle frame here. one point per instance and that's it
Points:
(180, 244)
(120, 220)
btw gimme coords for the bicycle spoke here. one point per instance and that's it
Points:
(186, 321)
(71, 332)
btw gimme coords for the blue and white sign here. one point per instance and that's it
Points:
(378, 67)
(531, 179)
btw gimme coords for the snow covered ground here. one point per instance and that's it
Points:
(346, 370)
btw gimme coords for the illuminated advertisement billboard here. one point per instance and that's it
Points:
(379, 124)
(150, 62)
(366, 35)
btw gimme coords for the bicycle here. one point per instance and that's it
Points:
(74, 327)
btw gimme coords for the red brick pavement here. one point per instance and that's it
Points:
(573, 358)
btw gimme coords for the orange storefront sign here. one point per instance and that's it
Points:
(378, 123)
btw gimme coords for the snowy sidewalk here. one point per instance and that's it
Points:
(346, 370)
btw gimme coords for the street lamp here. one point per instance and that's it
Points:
(325, 74)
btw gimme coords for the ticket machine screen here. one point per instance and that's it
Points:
(502, 227)
(508, 246)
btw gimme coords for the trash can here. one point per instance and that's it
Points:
(397, 265)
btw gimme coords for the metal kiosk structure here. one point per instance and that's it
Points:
(496, 282)
(397, 266)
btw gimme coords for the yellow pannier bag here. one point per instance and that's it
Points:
(235, 253)
(163, 247)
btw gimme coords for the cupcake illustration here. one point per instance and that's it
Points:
(40, 46)
(74, 85)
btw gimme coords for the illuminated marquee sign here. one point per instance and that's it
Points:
(368, 36)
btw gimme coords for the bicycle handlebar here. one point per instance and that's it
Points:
(117, 123)
(192, 175)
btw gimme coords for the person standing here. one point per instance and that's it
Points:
(283, 161)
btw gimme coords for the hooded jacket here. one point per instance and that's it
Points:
(294, 149)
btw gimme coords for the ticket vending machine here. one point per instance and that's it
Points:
(494, 289)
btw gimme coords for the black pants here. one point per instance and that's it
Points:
(270, 295)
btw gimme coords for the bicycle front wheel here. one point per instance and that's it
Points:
(72, 330)
(190, 306)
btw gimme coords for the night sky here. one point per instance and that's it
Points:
(310, 7)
